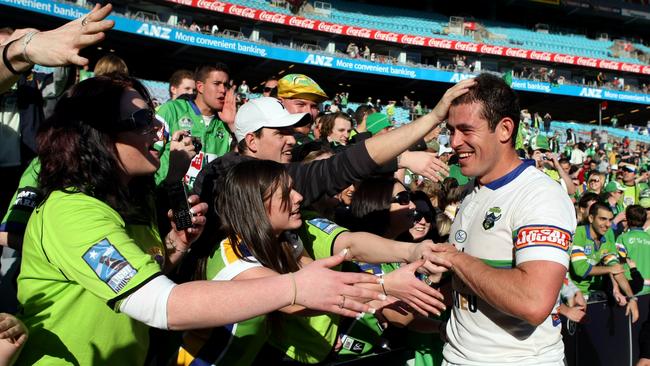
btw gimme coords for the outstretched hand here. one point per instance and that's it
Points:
(403, 285)
(321, 288)
(61, 46)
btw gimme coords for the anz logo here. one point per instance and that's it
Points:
(591, 93)
(155, 31)
(319, 60)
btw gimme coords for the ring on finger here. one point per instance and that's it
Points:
(84, 21)
(342, 303)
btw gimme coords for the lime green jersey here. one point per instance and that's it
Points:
(635, 244)
(80, 259)
(183, 114)
(25, 199)
(586, 253)
(309, 339)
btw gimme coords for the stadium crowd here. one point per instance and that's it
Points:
(207, 231)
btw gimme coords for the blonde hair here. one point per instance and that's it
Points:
(110, 64)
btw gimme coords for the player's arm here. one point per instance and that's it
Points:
(528, 291)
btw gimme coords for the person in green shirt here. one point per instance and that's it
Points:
(209, 117)
(634, 246)
(594, 255)
(91, 282)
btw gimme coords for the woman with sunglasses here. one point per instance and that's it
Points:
(594, 183)
(382, 206)
(267, 234)
(91, 281)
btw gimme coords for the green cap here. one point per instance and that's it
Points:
(539, 142)
(299, 86)
(614, 186)
(377, 122)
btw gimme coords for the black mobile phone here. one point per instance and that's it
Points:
(179, 205)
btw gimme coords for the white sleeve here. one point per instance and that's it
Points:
(148, 304)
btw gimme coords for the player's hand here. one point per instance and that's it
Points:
(403, 285)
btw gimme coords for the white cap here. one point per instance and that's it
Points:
(444, 149)
(265, 112)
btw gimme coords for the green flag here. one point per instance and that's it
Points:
(507, 77)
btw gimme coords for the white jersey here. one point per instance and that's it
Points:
(523, 216)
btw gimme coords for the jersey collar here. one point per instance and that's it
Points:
(514, 173)
(603, 239)
(195, 108)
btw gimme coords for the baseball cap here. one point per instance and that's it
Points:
(539, 142)
(377, 122)
(614, 186)
(629, 168)
(265, 112)
(299, 86)
(644, 198)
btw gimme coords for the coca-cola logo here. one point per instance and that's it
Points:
(491, 50)
(329, 27)
(415, 40)
(566, 59)
(302, 22)
(631, 67)
(211, 5)
(645, 70)
(273, 17)
(543, 56)
(612, 65)
(585, 61)
(389, 37)
(242, 11)
(183, 2)
(516, 52)
(466, 46)
(358, 32)
(440, 43)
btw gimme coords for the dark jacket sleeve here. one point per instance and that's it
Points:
(331, 176)
(644, 340)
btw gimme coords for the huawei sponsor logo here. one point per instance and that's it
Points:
(211, 5)
(415, 40)
(273, 17)
(358, 32)
(242, 11)
(331, 28)
(389, 37)
(302, 22)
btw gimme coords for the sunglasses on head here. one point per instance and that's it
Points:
(417, 216)
(403, 198)
(141, 120)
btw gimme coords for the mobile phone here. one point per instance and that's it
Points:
(179, 205)
(197, 144)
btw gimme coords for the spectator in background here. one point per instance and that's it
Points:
(195, 27)
(181, 82)
(214, 30)
(578, 155)
(361, 116)
(634, 250)
(298, 93)
(612, 197)
(208, 116)
(547, 122)
(109, 64)
(594, 256)
(352, 50)
(270, 87)
(366, 52)
(336, 127)
(243, 90)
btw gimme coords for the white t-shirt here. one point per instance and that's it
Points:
(523, 216)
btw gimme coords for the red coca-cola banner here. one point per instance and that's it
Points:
(318, 25)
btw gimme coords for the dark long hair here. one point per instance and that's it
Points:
(370, 205)
(240, 204)
(76, 147)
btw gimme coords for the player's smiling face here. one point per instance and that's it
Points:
(473, 142)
